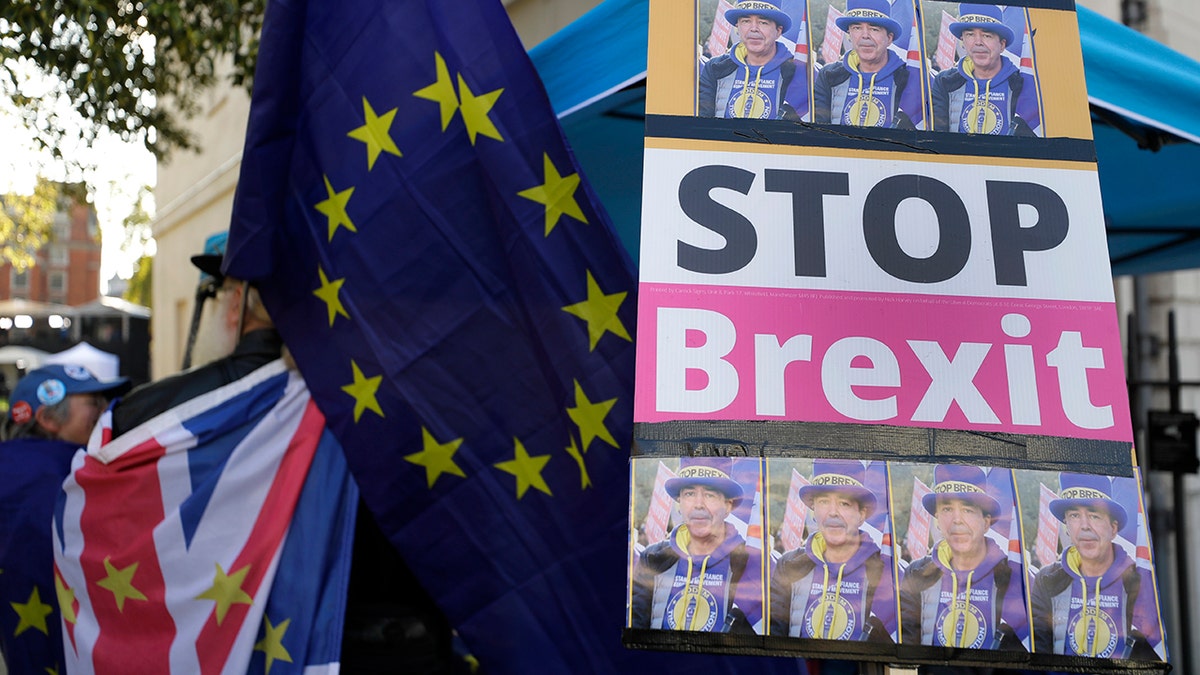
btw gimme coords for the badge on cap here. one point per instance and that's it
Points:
(21, 412)
(77, 372)
(51, 391)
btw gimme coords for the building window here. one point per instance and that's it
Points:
(20, 281)
(57, 282)
(59, 256)
(62, 226)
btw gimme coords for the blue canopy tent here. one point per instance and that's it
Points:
(1143, 98)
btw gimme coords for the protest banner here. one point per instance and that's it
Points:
(1047, 532)
(917, 278)
(791, 531)
(918, 523)
(658, 519)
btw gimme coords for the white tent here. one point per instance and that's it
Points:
(16, 360)
(26, 358)
(103, 365)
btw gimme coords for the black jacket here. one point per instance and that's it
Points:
(255, 350)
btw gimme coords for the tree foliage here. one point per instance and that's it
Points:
(119, 61)
(26, 223)
(137, 233)
(138, 290)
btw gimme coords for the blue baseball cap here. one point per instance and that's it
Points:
(49, 385)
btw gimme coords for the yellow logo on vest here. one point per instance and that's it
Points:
(694, 608)
(960, 625)
(831, 618)
(751, 103)
(982, 117)
(1092, 633)
(866, 111)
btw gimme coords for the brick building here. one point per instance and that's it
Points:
(67, 270)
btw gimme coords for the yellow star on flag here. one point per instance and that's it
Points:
(437, 458)
(475, 111)
(328, 293)
(226, 591)
(585, 481)
(375, 134)
(33, 613)
(66, 599)
(363, 390)
(557, 194)
(272, 642)
(334, 208)
(528, 470)
(589, 417)
(51, 670)
(600, 313)
(441, 91)
(120, 583)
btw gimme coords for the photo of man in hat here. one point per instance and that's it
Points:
(836, 586)
(967, 592)
(865, 87)
(979, 94)
(1096, 600)
(689, 581)
(752, 79)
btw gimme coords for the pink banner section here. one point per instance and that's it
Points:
(1042, 367)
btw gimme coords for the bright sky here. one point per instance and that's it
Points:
(115, 170)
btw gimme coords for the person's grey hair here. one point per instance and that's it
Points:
(255, 306)
(11, 430)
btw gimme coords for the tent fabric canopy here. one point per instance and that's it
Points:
(27, 357)
(100, 363)
(108, 306)
(1140, 92)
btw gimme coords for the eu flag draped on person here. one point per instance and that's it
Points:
(31, 471)
(461, 309)
(212, 538)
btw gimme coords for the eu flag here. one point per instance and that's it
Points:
(31, 471)
(460, 307)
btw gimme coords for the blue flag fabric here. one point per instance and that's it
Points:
(462, 312)
(31, 473)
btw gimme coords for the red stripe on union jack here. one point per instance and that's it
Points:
(171, 533)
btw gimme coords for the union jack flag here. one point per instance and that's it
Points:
(170, 539)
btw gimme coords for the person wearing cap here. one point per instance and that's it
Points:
(752, 80)
(1096, 600)
(59, 402)
(864, 88)
(51, 414)
(837, 586)
(689, 580)
(979, 94)
(966, 592)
